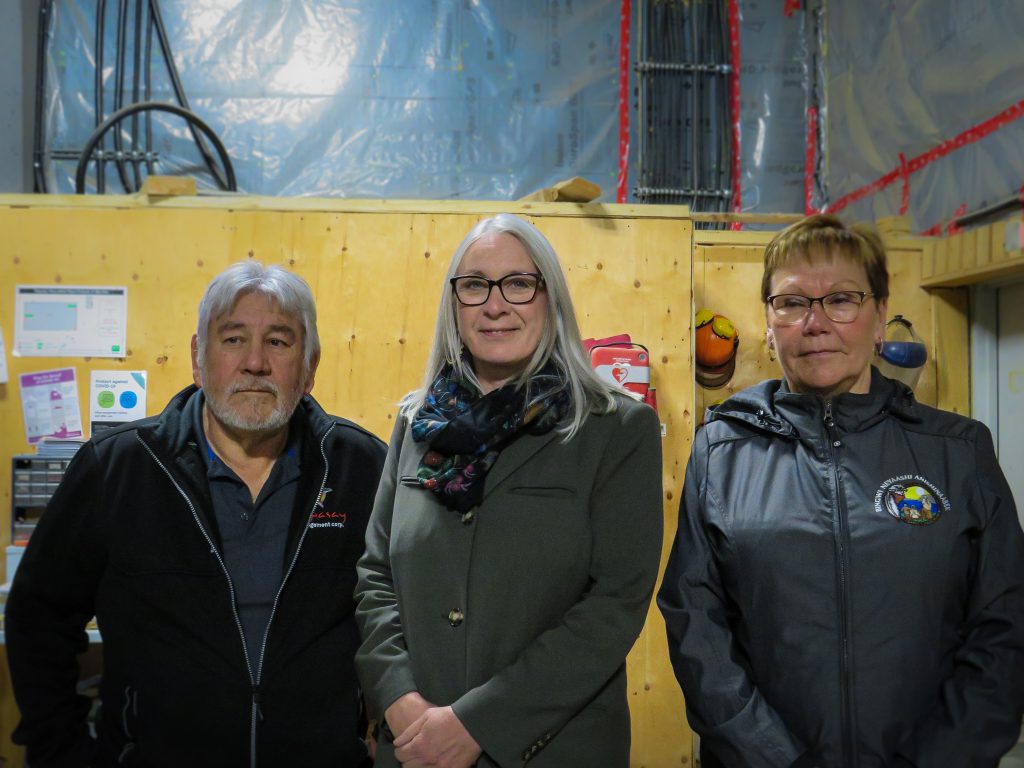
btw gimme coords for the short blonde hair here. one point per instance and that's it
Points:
(824, 235)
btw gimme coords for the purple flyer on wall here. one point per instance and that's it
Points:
(49, 403)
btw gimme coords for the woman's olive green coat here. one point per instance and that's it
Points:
(520, 614)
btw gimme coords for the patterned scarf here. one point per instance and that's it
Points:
(467, 431)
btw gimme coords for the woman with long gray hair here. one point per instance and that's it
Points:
(516, 534)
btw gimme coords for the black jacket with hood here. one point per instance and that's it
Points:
(846, 588)
(131, 538)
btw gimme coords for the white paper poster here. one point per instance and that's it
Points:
(70, 321)
(49, 403)
(116, 397)
(3, 358)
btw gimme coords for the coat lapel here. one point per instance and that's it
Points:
(514, 456)
(410, 456)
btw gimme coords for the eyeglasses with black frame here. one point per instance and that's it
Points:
(515, 288)
(838, 306)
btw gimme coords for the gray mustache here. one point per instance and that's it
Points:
(257, 386)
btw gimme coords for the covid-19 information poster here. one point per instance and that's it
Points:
(115, 398)
(49, 402)
(70, 321)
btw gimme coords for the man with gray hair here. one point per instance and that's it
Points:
(216, 545)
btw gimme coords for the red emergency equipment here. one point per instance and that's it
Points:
(625, 364)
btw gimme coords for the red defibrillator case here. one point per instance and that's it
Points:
(625, 364)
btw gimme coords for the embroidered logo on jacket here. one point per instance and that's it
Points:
(323, 518)
(323, 497)
(911, 499)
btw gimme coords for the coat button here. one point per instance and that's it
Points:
(455, 617)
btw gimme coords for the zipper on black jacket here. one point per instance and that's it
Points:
(841, 537)
(256, 692)
(213, 549)
(254, 679)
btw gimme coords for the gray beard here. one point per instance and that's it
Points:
(254, 421)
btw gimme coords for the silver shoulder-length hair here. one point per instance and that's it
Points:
(559, 343)
(289, 291)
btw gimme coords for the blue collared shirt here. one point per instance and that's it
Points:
(253, 535)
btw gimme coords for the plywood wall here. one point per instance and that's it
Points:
(376, 271)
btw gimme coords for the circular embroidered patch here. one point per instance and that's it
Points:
(911, 499)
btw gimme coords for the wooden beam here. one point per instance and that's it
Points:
(983, 274)
(781, 219)
(574, 190)
(168, 186)
(951, 338)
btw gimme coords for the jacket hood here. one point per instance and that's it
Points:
(771, 407)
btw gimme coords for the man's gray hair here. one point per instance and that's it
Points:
(560, 343)
(289, 292)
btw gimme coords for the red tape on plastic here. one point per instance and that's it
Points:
(905, 196)
(952, 228)
(809, 156)
(624, 17)
(734, 101)
(915, 164)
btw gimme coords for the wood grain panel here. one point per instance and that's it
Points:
(376, 271)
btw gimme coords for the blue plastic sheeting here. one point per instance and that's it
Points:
(773, 81)
(906, 77)
(434, 99)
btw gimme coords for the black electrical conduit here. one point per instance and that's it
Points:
(101, 22)
(195, 123)
(156, 19)
(152, 23)
(119, 74)
(685, 123)
(38, 154)
(136, 86)
(147, 95)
